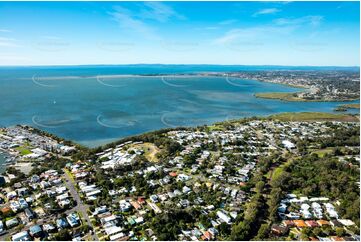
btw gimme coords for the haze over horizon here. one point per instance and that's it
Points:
(224, 33)
(180, 64)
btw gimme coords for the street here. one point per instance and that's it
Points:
(80, 207)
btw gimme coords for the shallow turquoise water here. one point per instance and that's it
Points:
(74, 104)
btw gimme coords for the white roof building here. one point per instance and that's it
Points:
(223, 217)
(288, 144)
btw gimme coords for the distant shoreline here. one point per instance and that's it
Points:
(318, 67)
(219, 74)
(223, 74)
(287, 96)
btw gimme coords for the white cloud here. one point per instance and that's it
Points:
(159, 11)
(266, 11)
(219, 25)
(7, 58)
(135, 20)
(311, 20)
(126, 21)
(263, 33)
(252, 34)
(5, 31)
(8, 42)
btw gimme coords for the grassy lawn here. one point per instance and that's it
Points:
(286, 96)
(88, 237)
(150, 151)
(323, 152)
(102, 236)
(314, 116)
(278, 171)
(215, 127)
(70, 175)
(23, 150)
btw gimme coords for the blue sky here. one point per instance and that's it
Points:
(246, 33)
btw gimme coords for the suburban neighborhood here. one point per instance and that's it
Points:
(183, 184)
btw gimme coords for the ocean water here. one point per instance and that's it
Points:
(93, 105)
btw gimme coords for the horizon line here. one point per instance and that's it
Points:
(172, 64)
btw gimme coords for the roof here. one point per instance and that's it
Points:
(61, 222)
(335, 222)
(312, 223)
(300, 223)
(279, 229)
(113, 230)
(313, 239)
(35, 229)
(336, 238)
(22, 236)
(135, 204)
(173, 174)
(322, 222)
(5, 209)
(116, 236)
(11, 221)
(207, 234)
(346, 222)
(288, 222)
(141, 199)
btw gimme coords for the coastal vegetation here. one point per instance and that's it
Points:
(297, 97)
(285, 96)
(313, 175)
(314, 116)
(345, 107)
(352, 105)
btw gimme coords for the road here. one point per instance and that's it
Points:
(10, 232)
(80, 207)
